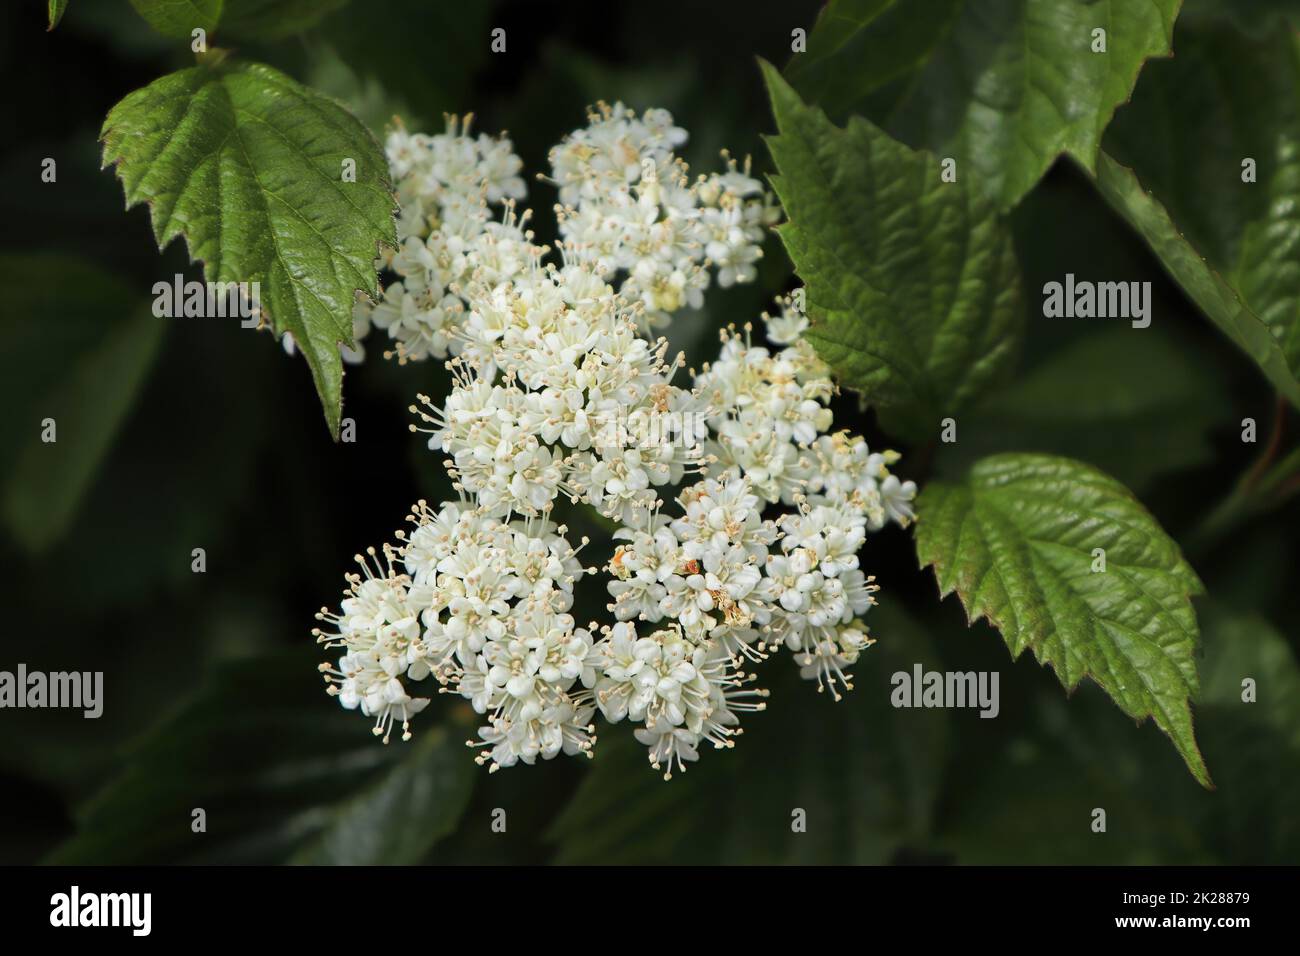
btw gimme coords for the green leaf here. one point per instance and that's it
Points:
(402, 60)
(57, 9)
(1234, 246)
(248, 19)
(282, 773)
(1149, 415)
(867, 774)
(363, 96)
(1202, 283)
(213, 458)
(247, 165)
(1002, 86)
(78, 347)
(1259, 18)
(1241, 645)
(179, 18)
(275, 19)
(862, 53)
(416, 803)
(1255, 745)
(1032, 797)
(912, 283)
(1016, 540)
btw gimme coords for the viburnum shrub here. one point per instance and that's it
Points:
(736, 510)
(740, 511)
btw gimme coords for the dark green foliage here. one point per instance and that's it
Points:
(926, 296)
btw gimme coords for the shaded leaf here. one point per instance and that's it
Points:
(1233, 245)
(401, 816)
(427, 57)
(1215, 297)
(1131, 402)
(1002, 86)
(179, 18)
(79, 346)
(57, 8)
(861, 53)
(1259, 18)
(1255, 746)
(1032, 798)
(281, 775)
(276, 19)
(250, 19)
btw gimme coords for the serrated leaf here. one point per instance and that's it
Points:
(278, 777)
(912, 283)
(57, 8)
(866, 774)
(1002, 86)
(78, 347)
(247, 164)
(1234, 246)
(1016, 540)
(179, 18)
(1132, 402)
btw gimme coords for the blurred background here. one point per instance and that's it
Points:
(185, 434)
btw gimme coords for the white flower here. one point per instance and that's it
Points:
(531, 675)
(789, 324)
(830, 535)
(558, 393)
(377, 626)
(481, 607)
(360, 329)
(630, 209)
(449, 234)
(683, 692)
(896, 498)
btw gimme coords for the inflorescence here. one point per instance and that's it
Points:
(561, 390)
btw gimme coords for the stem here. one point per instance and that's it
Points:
(1260, 490)
(1274, 443)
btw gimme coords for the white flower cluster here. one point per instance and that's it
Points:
(628, 205)
(447, 186)
(449, 228)
(379, 629)
(561, 394)
(558, 393)
(769, 422)
(480, 604)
